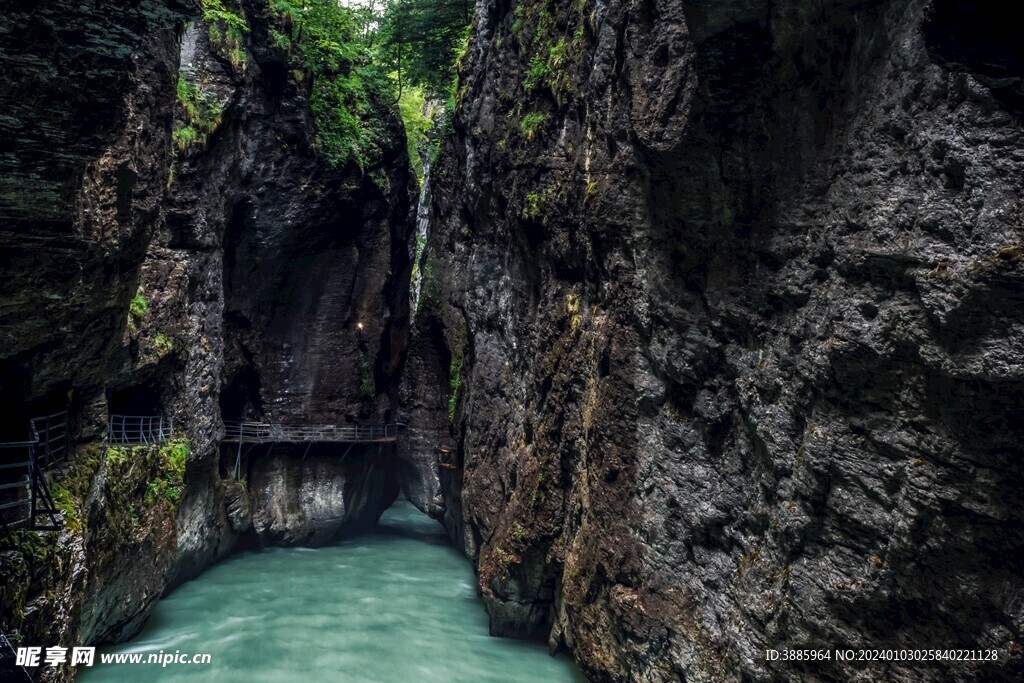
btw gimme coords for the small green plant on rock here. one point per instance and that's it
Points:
(531, 125)
(163, 344)
(572, 307)
(170, 480)
(64, 501)
(118, 455)
(504, 558)
(227, 33)
(517, 23)
(533, 207)
(183, 137)
(536, 72)
(200, 111)
(37, 548)
(537, 206)
(137, 309)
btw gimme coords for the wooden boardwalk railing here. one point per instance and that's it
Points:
(264, 432)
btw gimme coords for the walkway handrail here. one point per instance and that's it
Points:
(31, 491)
(48, 445)
(139, 429)
(52, 434)
(265, 432)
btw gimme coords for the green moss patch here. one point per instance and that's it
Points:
(227, 32)
(200, 112)
(346, 84)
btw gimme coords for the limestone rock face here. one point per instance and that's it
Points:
(88, 96)
(105, 200)
(292, 308)
(308, 500)
(738, 288)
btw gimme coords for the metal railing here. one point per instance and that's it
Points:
(52, 434)
(15, 477)
(31, 494)
(264, 432)
(139, 429)
(24, 493)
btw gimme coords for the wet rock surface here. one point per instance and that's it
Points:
(210, 235)
(308, 500)
(740, 305)
(89, 97)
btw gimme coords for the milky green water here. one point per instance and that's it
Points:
(395, 605)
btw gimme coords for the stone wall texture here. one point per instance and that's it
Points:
(738, 286)
(99, 203)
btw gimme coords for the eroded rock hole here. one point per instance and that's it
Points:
(986, 44)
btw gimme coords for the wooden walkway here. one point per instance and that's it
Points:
(263, 432)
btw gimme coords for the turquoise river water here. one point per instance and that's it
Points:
(395, 605)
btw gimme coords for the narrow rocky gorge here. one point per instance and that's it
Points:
(195, 256)
(705, 334)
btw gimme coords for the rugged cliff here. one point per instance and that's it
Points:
(158, 222)
(728, 295)
(84, 166)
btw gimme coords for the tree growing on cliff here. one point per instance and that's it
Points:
(424, 39)
(347, 83)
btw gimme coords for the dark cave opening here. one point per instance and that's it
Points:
(984, 42)
(240, 398)
(139, 399)
(987, 44)
(14, 381)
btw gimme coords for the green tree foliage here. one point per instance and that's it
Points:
(227, 32)
(329, 43)
(363, 54)
(424, 40)
(412, 106)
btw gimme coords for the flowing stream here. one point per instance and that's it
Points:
(395, 605)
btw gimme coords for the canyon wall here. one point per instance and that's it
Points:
(176, 243)
(727, 300)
